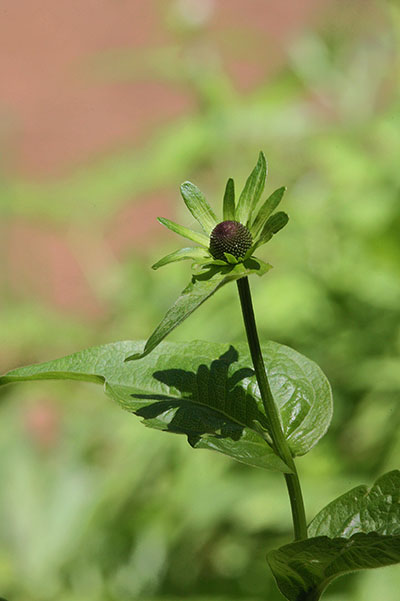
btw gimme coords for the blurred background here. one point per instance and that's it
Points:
(105, 108)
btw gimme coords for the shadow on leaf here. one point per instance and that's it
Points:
(211, 401)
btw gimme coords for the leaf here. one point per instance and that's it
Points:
(275, 223)
(204, 390)
(304, 569)
(202, 286)
(191, 298)
(251, 264)
(198, 206)
(266, 210)
(194, 253)
(229, 201)
(362, 509)
(360, 529)
(231, 259)
(257, 266)
(208, 262)
(252, 191)
(185, 232)
(179, 388)
(304, 395)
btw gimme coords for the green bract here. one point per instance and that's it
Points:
(244, 211)
(208, 273)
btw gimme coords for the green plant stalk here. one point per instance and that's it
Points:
(276, 432)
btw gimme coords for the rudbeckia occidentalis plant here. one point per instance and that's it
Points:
(260, 404)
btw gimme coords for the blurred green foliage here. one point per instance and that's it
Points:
(102, 508)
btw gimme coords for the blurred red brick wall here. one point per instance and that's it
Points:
(56, 113)
(60, 114)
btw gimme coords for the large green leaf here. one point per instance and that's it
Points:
(201, 287)
(361, 529)
(205, 390)
(362, 509)
(304, 569)
(252, 191)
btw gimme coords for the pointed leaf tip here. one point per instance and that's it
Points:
(252, 191)
(133, 357)
(229, 201)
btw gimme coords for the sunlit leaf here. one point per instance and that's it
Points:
(258, 266)
(204, 390)
(198, 206)
(185, 232)
(359, 530)
(194, 253)
(198, 389)
(302, 393)
(266, 210)
(304, 569)
(231, 259)
(202, 286)
(252, 191)
(362, 509)
(276, 222)
(229, 201)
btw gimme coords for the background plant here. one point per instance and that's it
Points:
(339, 160)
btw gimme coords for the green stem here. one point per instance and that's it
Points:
(278, 438)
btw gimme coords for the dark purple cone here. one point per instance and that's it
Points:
(230, 237)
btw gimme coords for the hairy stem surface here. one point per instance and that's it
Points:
(271, 410)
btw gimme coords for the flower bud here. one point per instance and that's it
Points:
(230, 237)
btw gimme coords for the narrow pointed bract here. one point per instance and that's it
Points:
(229, 201)
(198, 206)
(275, 223)
(196, 253)
(184, 231)
(267, 209)
(252, 191)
